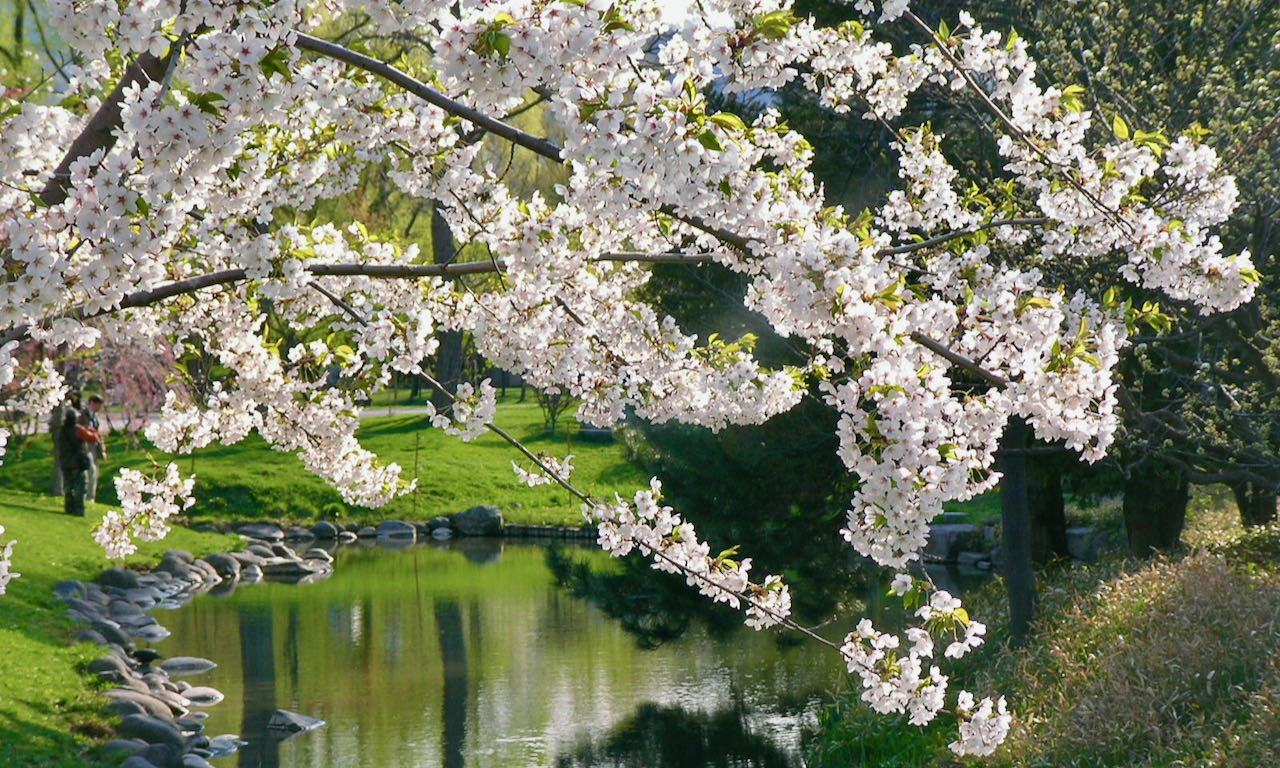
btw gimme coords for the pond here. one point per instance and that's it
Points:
(470, 655)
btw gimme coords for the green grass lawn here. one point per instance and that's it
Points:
(48, 712)
(251, 481)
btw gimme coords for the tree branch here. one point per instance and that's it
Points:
(100, 131)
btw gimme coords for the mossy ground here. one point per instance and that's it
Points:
(48, 713)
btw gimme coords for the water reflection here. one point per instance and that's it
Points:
(672, 737)
(472, 657)
(258, 665)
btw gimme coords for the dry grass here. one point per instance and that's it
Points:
(1171, 665)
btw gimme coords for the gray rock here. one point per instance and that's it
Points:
(1083, 544)
(119, 577)
(181, 554)
(189, 724)
(298, 533)
(263, 551)
(484, 520)
(346, 537)
(69, 588)
(367, 532)
(152, 730)
(317, 554)
(286, 723)
(283, 567)
(112, 633)
(138, 761)
(84, 608)
(250, 557)
(110, 664)
(442, 534)
(397, 529)
(203, 696)
(250, 574)
(195, 761)
(124, 746)
(182, 666)
(205, 528)
(164, 755)
(89, 636)
(224, 745)
(263, 531)
(224, 565)
(177, 704)
(125, 707)
(178, 568)
(152, 633)
(282, 550)
(947, 540)
(325, 530)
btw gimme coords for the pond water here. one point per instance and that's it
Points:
(470, 655)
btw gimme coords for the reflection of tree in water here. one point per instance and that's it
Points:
(671, 737)
(654, 607)
(659, 607)
(453, 659)
(257, 660)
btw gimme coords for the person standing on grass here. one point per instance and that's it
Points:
(97, 449)
(75, 458)
(56, 419)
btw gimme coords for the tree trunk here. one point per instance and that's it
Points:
(1155, 507)
(1257, 504)
(1015, 515)
(448, 368)
(1048, 512)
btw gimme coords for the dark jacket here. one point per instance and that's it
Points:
(73, 453)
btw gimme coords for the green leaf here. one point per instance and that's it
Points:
(729, 121)
(502, 44)
(1119, 128)
(276, 62)
(708, 139)
(207, 103)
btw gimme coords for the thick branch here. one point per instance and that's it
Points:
(376, 271)
(99, 132)
(420, 89)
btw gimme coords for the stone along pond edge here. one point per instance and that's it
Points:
(162, 714)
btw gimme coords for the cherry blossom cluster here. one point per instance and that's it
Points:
(6, 557)
(470, 413)
(658, 532)
(146, 504)
(557, 469)
(898, 681)
(43, 390)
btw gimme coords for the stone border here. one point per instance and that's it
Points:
(158, 728)
(479, 521)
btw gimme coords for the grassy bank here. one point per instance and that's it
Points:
(48, 712)
(1173, 662)
(251, 481)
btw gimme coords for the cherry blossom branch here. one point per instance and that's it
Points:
(1005, 120)
(100, 131)
(585, 498)
(420, 89)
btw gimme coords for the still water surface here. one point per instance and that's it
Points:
(471, 656)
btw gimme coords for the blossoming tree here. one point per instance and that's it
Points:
(158, 203)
